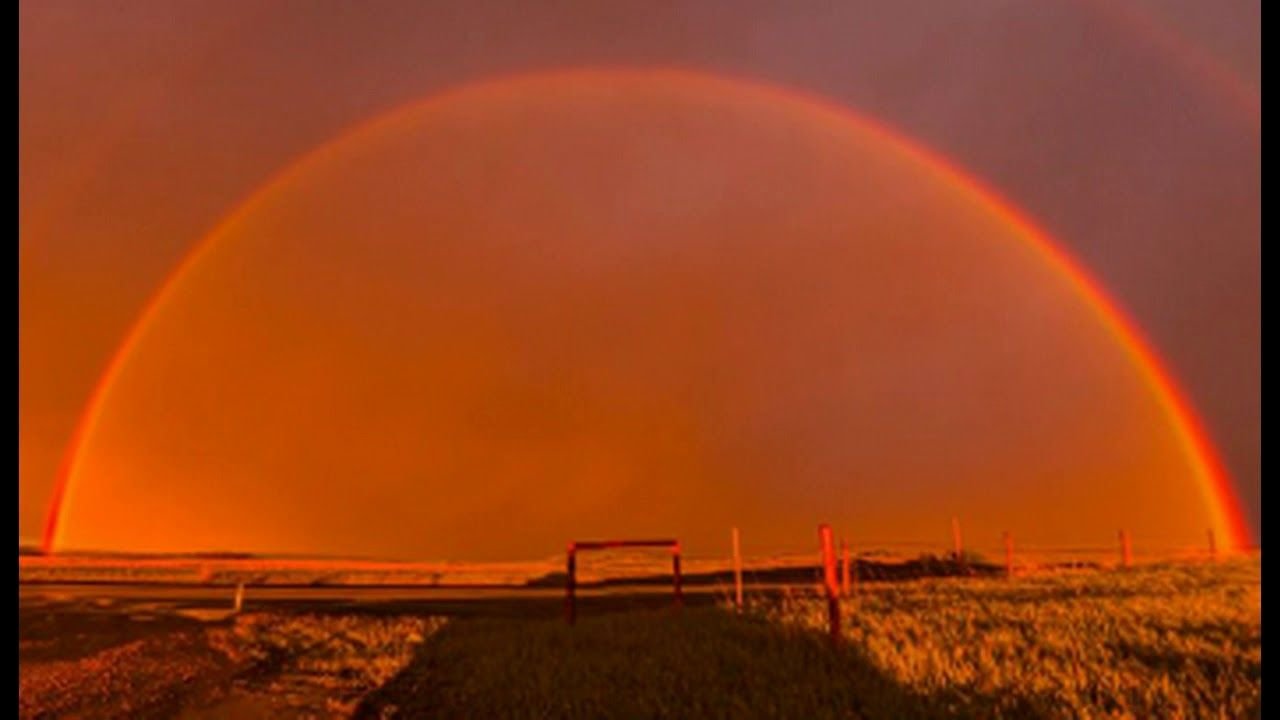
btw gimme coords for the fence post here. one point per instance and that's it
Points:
(1008, 554)
(958, 543)
(1126, 550)
(570, 578)
(829, 580)
(844, 569)
(675, 574)
(853, 572)
(737, 571)
(1213, 546)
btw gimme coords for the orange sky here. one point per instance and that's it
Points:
(620, 305)
(141, 128)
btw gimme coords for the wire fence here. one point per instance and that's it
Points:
(869, 560)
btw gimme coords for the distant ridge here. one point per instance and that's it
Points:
(195, 555)
(29, 549)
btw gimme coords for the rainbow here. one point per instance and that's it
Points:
(1213, 480)
(1197, 63)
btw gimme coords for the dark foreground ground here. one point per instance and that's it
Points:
(646, 662)
(1168, 641)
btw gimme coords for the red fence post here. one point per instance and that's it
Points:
(829, 580)
(958, 543)
(1213, 546)
(1126, 549)
(570, 579)
(737, 571)
(675, 574)
(1008, 554)
(844, 569)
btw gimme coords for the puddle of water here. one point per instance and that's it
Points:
(207, 614)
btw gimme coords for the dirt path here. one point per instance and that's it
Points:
(141, 678)
(251, 666)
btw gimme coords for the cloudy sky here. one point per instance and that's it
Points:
(1129, 130)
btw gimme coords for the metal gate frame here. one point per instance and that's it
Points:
(571, 567)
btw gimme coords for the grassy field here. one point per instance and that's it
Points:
(1181, 640)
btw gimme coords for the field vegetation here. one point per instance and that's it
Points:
(1178, 640)
(1175, 640)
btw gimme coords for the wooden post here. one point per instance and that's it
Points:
(675, 575)
(1213, 546)
(1008, 554)
(844, 569)
(853, 572)
(570, 579)
(829, 580)
(737, 571)
(958, 543)
(239, 601)
(1126, 550)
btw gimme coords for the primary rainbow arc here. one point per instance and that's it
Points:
(1213, 480)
